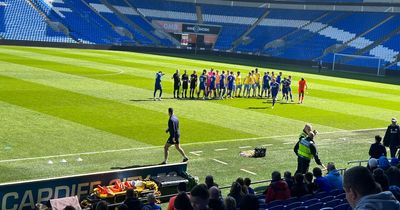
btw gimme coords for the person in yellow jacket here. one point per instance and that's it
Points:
(306, 150)
(248, 83)
(238, 83)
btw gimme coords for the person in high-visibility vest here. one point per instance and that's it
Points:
(306, 150)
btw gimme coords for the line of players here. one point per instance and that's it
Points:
(214, 85)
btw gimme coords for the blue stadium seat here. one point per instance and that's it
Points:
(333, 203)
(310, 201)
(278, 207)
(344, 206)
(341, 196)
(315, 206)
(293, 205)
(326, 198)
(336, 192)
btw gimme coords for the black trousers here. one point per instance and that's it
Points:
(393, 151)
(302, 165)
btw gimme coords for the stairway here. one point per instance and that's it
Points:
(129, 22)
(155, 26)
(251, 28)
(66, 29)
(335, 49)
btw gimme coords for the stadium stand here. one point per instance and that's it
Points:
(14, 25)
(304, 35)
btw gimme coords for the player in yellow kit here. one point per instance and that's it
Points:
(257, 85)
(238, 83)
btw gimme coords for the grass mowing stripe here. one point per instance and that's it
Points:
(168, 63)
(334, 118)
(254, 123)
(122, 119)
(311, 114)
(163, 66)
(23, 128)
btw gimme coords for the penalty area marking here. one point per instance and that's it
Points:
(244, 147)
(188, 144)
(267, 145)
(222, 149)
(288, 143)
(247, 171)
(196, 153)
(218, 161)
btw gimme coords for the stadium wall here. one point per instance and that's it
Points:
(186, 52)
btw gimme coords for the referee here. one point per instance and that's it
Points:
(174, 134)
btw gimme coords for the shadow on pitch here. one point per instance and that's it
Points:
(259, 107)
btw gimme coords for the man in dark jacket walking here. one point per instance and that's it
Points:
(174, 135)
(306, 150)
(392, 138)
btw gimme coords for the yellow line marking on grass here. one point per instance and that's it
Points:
(247, 171)
(218, 161)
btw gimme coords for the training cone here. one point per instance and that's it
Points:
(63, 161)
(79, 159)
(50, 162)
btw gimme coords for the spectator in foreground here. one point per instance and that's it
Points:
(383, 163)
(247, 183)
(151, 202)
(182, 202)
(287, 176)
(311, 186)
(249, 202)
(377, 149)
(321, 182)
(69, 208)
(240, 180)
(381, 178)
(236, 193)
(200, 197)
(180, 188)
(215, 202)
(392, 137)
(393, 174)
(210, 182)
(132, 201)
(299, 188)
(278, 189)
(230, 203)
(362, 191)
(372, 164)
(334, 178)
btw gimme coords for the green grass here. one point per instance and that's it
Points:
(69, 101)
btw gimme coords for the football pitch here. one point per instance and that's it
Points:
(97, 105)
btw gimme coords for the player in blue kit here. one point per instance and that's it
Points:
(279, 78)
(158, 85)
(274, 91)
(222, 88)
(289, 83)
(285, 90)
(213, 86)
(231, 84)
(202, 84)
(266, 87)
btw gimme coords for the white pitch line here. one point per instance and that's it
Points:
(188, 144)
(267, 145)
(197, 151)
(288, 143)
(248, 171)
(193, 153)
(108, 74)
(218, 161)
(325, 139)
(244, 147)
(222, 149)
